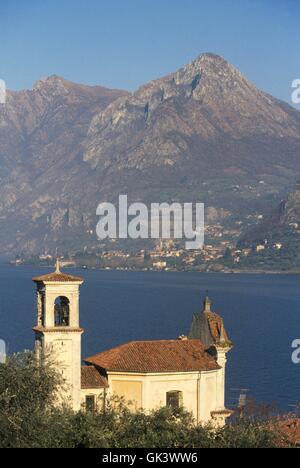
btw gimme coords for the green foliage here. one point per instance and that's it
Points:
(245, 434)
(27, 394)
(30, 418)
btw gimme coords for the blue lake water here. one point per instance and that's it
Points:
(261, 314)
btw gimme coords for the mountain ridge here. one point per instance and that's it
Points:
(203, 133)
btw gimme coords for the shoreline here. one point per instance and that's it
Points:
(223, 272)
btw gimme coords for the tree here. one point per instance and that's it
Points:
(27, 395)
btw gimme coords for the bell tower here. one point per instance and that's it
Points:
(57, 331)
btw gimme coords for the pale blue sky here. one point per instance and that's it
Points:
(125, 43)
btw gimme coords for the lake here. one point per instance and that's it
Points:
(261, 314)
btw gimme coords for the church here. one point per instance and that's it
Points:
(188, 371)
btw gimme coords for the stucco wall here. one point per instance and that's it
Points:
(64, 348)
(131, 390)
(200, 391)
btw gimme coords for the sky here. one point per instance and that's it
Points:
(126, 43)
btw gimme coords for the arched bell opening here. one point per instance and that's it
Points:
(62, 312)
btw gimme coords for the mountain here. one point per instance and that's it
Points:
(203, 133)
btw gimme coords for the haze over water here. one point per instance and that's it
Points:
(261, 314)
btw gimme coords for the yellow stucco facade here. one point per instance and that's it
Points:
(202, 392)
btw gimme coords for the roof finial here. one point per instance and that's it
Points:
(207, 303)
(57, 265)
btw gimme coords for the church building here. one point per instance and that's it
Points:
(188, 371)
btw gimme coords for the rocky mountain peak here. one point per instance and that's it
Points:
(210, 75)
(208, 98)
(209, 63)
(188, 78)
(53, 83)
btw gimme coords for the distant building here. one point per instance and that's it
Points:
(67, 263)
(161, 265)
(188, 372)
(45, 257)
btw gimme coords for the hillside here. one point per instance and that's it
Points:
(275, 241)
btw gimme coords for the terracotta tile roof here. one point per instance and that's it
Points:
(91, 378)
(215, 324)
(57, 278)
(156, 357)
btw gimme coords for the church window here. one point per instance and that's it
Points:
(174, 399)
(62, 312)
(90, 403)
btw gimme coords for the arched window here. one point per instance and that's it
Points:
(174, 399)
(62, 312)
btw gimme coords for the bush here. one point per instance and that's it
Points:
(29, 418)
